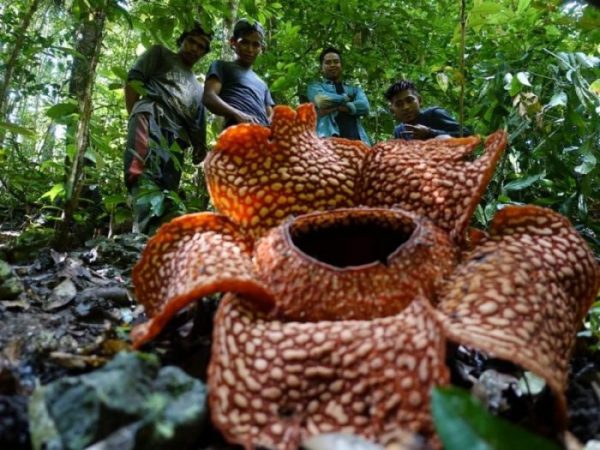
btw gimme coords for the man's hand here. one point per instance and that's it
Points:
(341, 108)
(419, 131)
(198, 154)
(131, 96)
(325, 111)
(242, 117)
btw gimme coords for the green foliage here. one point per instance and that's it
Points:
(531, 67)
(62, 110)
(464, 424)
(17, 129)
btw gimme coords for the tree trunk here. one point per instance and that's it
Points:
(228, 22)
(12, 60)
(89, 42)
(463, 31)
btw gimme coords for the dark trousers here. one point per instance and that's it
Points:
(149, 154)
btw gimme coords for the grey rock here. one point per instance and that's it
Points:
(131, 400)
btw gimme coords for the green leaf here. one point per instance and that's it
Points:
(523, 5)
(587, 61)
(70, 51)
(138, 86)
(508, 78)
(57, 189)
(595, 87)
(559, 99)
(463, 423)
(563, 60)
(120, 11)
(442, 81)
(157, 204)
(122, 215)
(61, 110)
(489, 211)
(523, 183)
(17, 129)
(111, 201)
(523, 78)
(161, 408)
(120, 72)
(278, 84)
(485, 8)
(515, 86)
(588, 164)
(488, 13)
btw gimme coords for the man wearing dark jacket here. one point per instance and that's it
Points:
(417, 123)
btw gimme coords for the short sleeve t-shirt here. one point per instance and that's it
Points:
(242, 89)
(172, 93)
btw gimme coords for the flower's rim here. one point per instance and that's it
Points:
(394, 213)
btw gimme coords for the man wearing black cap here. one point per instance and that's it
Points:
(164, 100)
(232, 89)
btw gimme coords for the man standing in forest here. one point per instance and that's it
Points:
(232, 89)
(339, 105)
(164, 100)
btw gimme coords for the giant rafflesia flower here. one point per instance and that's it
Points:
(348, 269)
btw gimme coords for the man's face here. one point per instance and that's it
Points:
(405, 106)
(331, 67)
(193, 47)
(247, 48)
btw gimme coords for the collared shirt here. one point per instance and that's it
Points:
(323, 95)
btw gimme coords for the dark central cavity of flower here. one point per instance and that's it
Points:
(356, 242)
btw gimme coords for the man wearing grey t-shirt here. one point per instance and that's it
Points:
(166, 115)
(232, 89)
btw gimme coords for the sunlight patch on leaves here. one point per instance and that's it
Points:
(57, 190)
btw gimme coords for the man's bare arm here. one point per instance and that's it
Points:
(131, 96)
(214, 103)
(269, 110)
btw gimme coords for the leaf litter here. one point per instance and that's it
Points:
(68, 326)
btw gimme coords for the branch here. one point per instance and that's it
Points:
(463, 29)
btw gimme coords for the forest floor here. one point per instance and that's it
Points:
(71, 312)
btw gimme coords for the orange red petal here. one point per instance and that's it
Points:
(274, 383)
(521, 294)
(434, 178)
(259, 176)
(190, 257)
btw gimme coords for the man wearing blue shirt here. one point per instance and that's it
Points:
(339, 105)
(417, 123)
